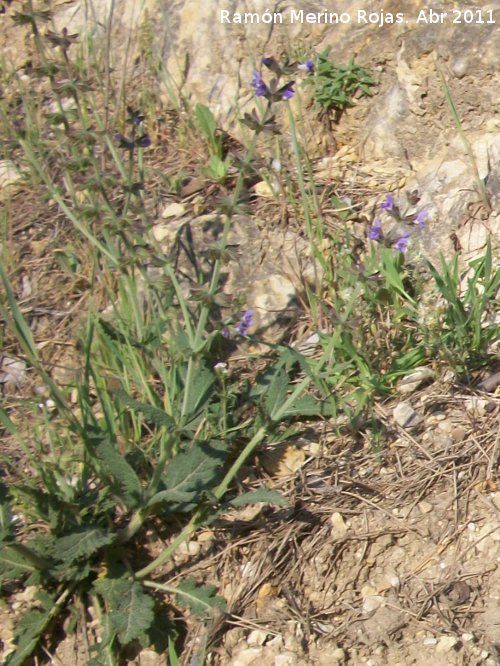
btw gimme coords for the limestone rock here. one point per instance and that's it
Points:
(265, 270)
(10, 179)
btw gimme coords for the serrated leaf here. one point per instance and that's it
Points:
(13, 565)
(277, 393)
(200, 600)
(306, 405)
(189, 475)
(27, 634)
(257, 496)
(130, 608)
(134, 615)
(199, 393)
(153, 414)
(82, 544)
(115, 470)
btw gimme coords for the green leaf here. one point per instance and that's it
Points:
(191, 475)
(172, 653)
(5, 512)
(200, 600)
(83, 543)
(261, 495)
(27, 634)
(206, 121)
(152, 414)
(130, 608)
(13, 565)
(198, 392)
(307, 405)
(114, 469)
(277, 393)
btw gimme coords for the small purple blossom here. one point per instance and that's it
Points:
(245, 322)
(388, 203)
(134, 117)
(225, 333)
(143, 141)
(420, 219)
(287, 92)
(307, 66)
(375, 230)
(260, 88)
(402, 243)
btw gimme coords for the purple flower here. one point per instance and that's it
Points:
(143, 141)
(225, 332)
(388, 203)
(420, 219)
(307, 66)
(402, 243)
(287, 91)
(258, 84)
(375, 230)
(245, 322)
(134, 117)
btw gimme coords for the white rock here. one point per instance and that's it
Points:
(189, 548)
(9, 174)
(247, 656)
(446, 643)
(339, 528)
(411, 382)
(477, 406)
(337, 656)
(285, 660)
(257, 637)
(405, 416)
(12, 372)
(425, 507)
(173, 210)
(430, 641)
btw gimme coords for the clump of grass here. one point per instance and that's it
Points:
(154, 430)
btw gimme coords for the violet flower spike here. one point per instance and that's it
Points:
(288, 91)
(307, 66)
(420, 219)
(402, 243)
(388, 203)
(258, 84)
(375, 230)
(245, 322)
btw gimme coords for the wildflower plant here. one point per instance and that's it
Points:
(336, 85)
(402, 229)
(154, 433)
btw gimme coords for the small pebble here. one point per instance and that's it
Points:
(425, 507)
(430, 641)
(339, 527)
(257, 637)
(173, 210)
(405, 416)
(446, 643)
